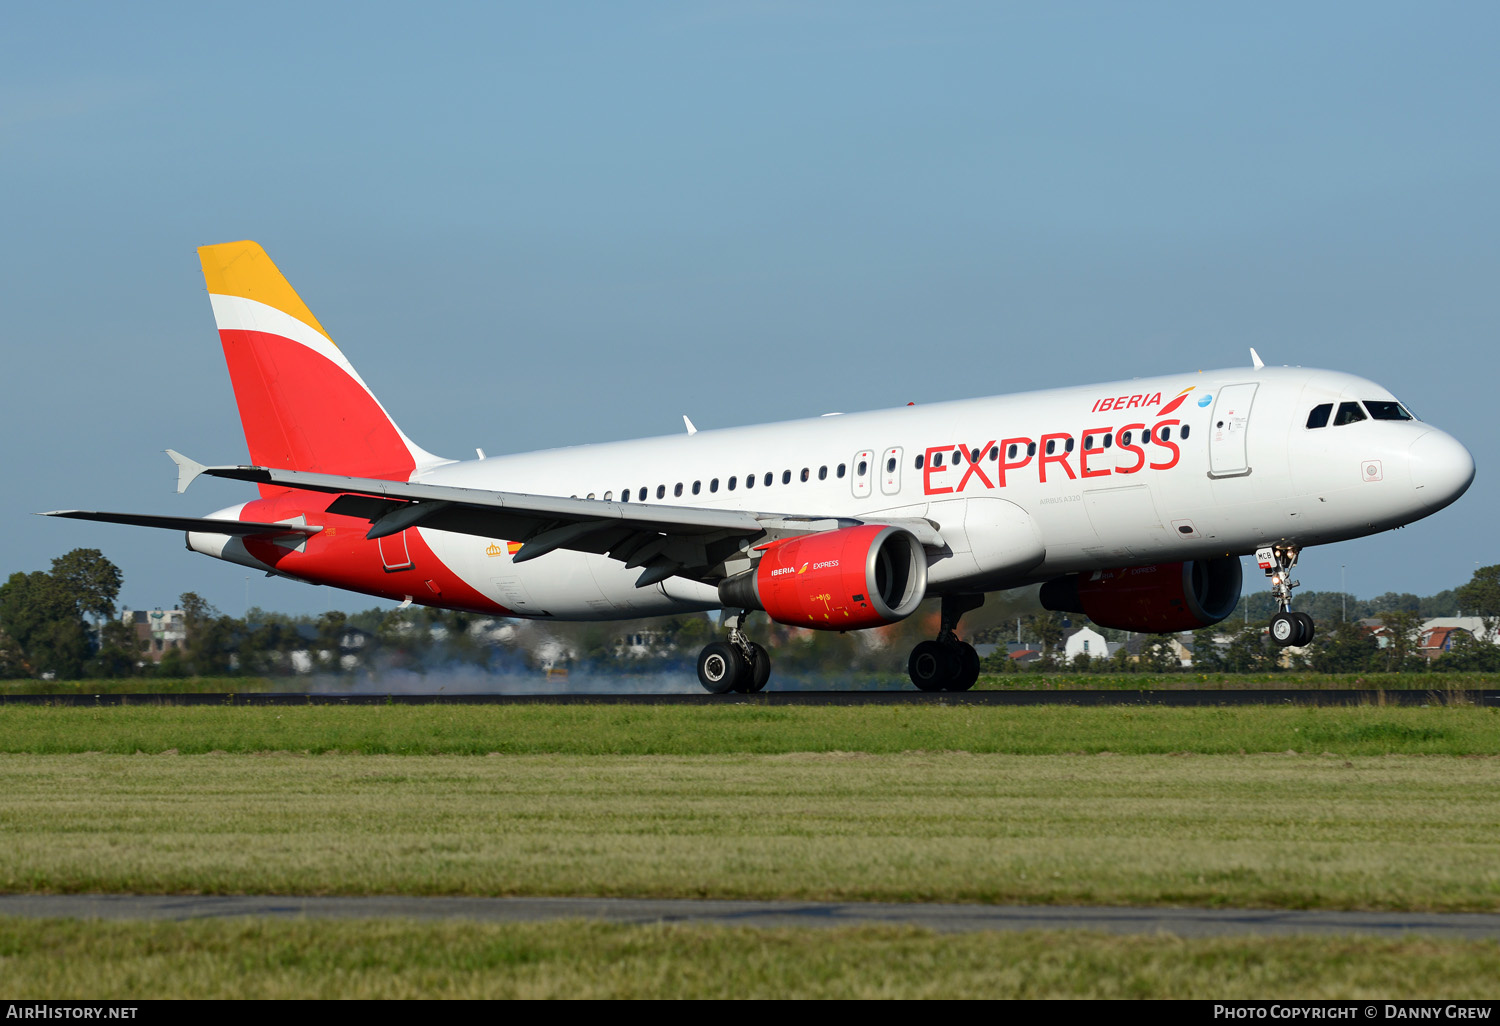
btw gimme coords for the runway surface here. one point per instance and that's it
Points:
(1182, 922)
(1197, 697)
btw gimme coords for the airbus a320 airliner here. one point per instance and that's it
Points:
(1131, 502)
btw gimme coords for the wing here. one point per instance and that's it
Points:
(667, 541)
(202, 525)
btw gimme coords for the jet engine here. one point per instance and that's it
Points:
(1156, 599)
(844, 580)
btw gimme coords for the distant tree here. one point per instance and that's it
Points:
(1249, 652)
(1400, 652)
(1444, 603)
(118, 653)
(1469, 655)
(42, 618)
(1158, 655)
(1481, 596)
(1047, 628)
(1346, 648)
(212, 637)
(90, 580)
(1403, 602)
(1206, 657)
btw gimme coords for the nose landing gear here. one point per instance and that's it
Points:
(1288, 629)
(738, 664)
(947, 664)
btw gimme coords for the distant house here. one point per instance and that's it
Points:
(1023, 655)
(157, 631)
(1084, 641)
(1434, 641)
(1474, 625)
(1180, 644)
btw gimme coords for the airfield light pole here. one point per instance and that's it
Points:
(1343, 595)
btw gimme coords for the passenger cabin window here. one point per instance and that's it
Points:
(786, 477)
(1349, 413)
(1319, 415)
(1068, 445)
(697, 487)
(643, 494)
(1184, 432)
(919, 461)
(841, 471)
(769, 477)
(1051, 444)
(890, 465)
(806, 474)
(1110, 439)
(864, 468)
(1031, 449)
(823, 473)
(1387, 409)
(713, 486)
(661, 491)
(1011, 453)
(749, 480)
(732, 481)
(994, 454)
(937, 459)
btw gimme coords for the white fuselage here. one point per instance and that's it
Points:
(1234, 466)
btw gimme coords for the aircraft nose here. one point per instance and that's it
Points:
(1441, 468)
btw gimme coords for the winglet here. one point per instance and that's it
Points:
(691, 430)
(187, 470)
(1255, 359)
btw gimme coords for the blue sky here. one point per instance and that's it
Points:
(535, 225)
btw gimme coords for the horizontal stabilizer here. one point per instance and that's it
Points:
(202, 525)
(187, 470)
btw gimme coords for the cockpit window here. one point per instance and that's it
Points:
(1348, 414)
(1319, 415)
(1387, 409)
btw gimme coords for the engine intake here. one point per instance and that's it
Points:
(843, 580)
(1156, 599)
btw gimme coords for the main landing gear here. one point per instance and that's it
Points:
(738, 664)
(1288, 629)
(947, 664)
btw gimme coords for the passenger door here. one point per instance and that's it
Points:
(1227, 455)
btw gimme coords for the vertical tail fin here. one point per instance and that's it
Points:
(302, 405)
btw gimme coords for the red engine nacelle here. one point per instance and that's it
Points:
(1156, 599)
(843, 580)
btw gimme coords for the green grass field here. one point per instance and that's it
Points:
(1361, 807)
(751, 729)
(273, 959)
(1258, 830)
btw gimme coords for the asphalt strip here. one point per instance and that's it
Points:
(1181, 922)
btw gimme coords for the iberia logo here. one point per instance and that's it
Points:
(1174, 403)
(510, 547)
(804, 569)
(1142, 400)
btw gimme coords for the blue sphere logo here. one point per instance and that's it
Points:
(1205, 400)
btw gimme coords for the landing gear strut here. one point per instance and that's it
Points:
(738, 664)
(947, 664)
(1288, 629)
